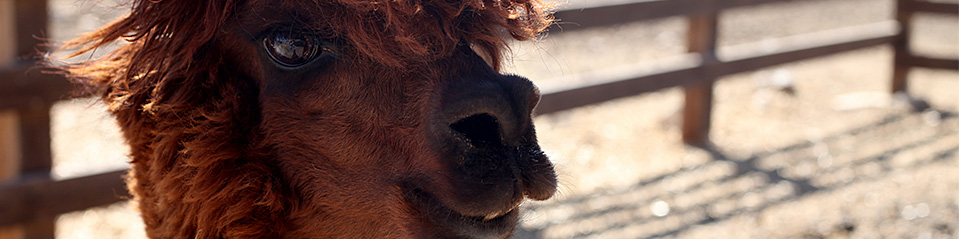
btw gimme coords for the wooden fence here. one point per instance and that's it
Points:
(30, 199)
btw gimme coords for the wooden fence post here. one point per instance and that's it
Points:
(9, 162)
(9, 142)
(25, 130)
(32, 18)
(902, 52)
(697, 111)
(36, 160)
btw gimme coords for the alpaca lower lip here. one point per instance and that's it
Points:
(494, 225)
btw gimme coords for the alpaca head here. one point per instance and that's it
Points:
(324, 118)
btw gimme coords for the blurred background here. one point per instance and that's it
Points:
(665, 118)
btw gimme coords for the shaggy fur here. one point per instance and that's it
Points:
(224, 145)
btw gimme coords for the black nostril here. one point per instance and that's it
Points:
(478, 129)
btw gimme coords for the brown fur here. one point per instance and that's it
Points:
(220, 150)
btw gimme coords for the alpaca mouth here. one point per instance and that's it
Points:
(493, 225)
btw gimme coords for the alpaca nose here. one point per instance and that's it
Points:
(484, 133)
(491, 112)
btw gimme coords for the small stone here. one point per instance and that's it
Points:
(660, 208)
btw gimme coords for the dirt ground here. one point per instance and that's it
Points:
(813, 149)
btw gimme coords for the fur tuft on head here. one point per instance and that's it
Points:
(165, 36)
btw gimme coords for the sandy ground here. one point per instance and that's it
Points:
(832, 157)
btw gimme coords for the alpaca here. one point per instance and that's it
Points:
(323, 118)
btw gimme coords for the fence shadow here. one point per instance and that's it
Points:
(728, 186)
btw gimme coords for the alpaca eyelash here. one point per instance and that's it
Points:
(294, 48)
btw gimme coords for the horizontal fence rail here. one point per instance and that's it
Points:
(932, 63)
(624, 84)
(933, 7)
(598, 15)
(23, 85)
(28, 199)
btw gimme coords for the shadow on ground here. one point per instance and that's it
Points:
(727, 186)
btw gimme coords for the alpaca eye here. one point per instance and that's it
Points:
(293, 49)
